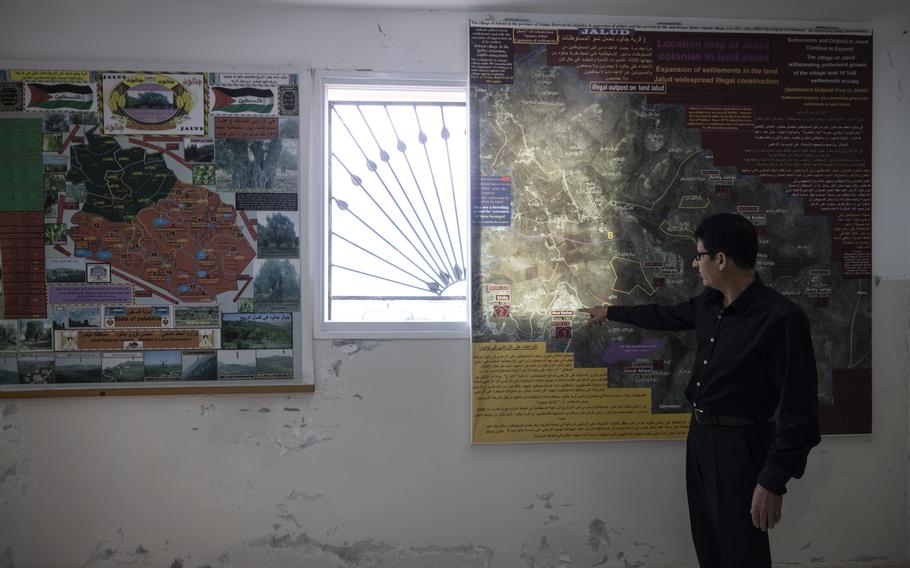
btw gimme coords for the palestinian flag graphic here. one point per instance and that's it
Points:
(60, 96)
(252, 100)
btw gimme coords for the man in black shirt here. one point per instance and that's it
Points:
(753, 393)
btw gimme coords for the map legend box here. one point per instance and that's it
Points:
(491, 205)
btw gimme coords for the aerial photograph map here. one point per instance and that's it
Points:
(596, 151)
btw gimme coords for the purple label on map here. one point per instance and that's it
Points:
(618, 352)
(89, 294)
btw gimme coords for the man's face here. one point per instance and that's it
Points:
(705, 264)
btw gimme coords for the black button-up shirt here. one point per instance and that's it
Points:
(754, 359)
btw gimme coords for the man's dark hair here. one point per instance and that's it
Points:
(731, 234)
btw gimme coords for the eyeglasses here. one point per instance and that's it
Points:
(698, 255)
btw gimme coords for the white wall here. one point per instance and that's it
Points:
(375, 468)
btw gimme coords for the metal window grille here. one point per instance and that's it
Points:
(397, 208)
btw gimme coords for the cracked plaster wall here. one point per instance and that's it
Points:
(375, 468)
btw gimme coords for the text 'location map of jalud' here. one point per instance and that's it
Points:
(596, 152)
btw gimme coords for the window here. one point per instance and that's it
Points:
(395, 254)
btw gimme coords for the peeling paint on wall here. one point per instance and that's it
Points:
(347, 349)
(330, 357)
(10, 409)
(293, 442)
(599, 533)
(356, 554)
(543, 557)
(645, 551)
(370, 553)
(463, 551)
(545, 497)
(102, 555)
(12, 435)
(14, 474)
(295, 495)
(900, 88)
(6, 559)
(284, 515)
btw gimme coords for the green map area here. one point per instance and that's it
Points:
(21, 180)
(119, 181)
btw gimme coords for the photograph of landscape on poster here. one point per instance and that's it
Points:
(596, 151)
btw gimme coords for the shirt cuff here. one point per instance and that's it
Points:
(773, 480)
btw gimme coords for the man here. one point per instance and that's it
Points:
(753, 393)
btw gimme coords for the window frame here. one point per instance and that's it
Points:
(319, 206)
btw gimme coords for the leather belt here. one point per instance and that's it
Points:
(706, 419)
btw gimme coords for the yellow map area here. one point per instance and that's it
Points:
(521, 393)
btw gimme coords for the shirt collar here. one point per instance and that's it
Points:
(743, 300)
(746, 296)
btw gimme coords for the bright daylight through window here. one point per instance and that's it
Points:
(396, 244)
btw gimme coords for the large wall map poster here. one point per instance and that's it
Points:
(149, 228)
(595, 153)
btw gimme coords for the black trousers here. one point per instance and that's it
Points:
(722, 465)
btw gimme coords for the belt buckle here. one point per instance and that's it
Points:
(700, 416)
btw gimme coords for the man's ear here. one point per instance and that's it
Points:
(722, 260)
